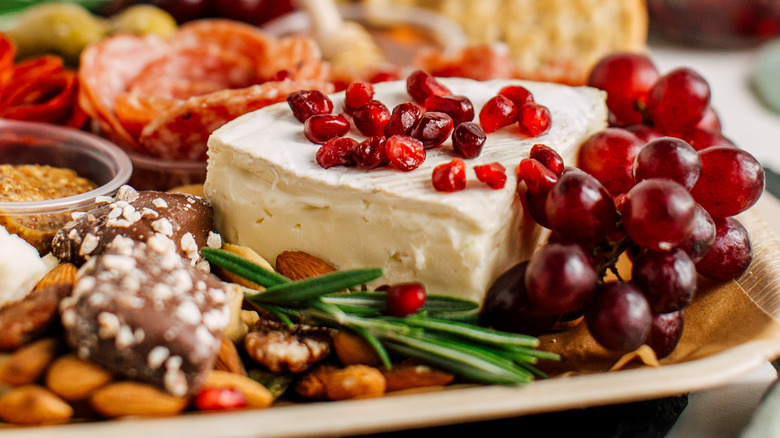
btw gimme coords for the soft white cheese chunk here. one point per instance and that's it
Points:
(21, 267)
(269, 193)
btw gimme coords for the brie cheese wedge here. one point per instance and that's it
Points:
(269, 193)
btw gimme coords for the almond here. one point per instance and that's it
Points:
(28, 363)
(228, 358)
(413, 375)
(123, 399)
(257, 394)
(74, 379)
(355, 381)
(297, 265)
(33, 405)
(249, 254)
(352, 349)
(64, 273)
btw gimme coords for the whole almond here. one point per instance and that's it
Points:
(352, 349)
(33, 405)
(412, 375)
(28, 363)
(297, 265)
(64, 273)
(228, 358)
(128, 398)
(74, 379)
(257, 395)
(249, 254)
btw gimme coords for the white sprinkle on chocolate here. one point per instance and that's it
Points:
(89, 244)
(157, 356)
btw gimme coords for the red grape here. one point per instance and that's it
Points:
(731, 181)
(644, 133)
(667, 278)
(731, 252)
(665, 332)
(670, 158)
(508, 308)
(609, 156)
(252, 11)
(579, 208)
(560, 277)
(702, 235)
(618, 316)
(678, 100)
(627, 78)
(658, 214)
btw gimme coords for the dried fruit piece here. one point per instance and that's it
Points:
(320, 128)
(337, 151)
(306, 103)
(468, 139)
(433, 129)
(371, 118)
(220, 399)
(404, 118)
(459, 108)
(406, 153)
(422, 85)
(493, 174)
(497, 112)
(534, 119)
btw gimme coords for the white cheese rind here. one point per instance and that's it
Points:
(269, 193)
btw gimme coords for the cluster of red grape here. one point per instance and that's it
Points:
(662, 184)
(254, 12)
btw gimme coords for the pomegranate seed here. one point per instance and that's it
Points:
(403, 299)
(370, 153)
(358, 94)
(433, 129)
(405, 152)
(220, 399)
(384, 76)
(337, 150)
(306, 103)
(493, 174)
(450, 177)
(371, 118)
(468, 139)
(459, 108)
(549, 157)
(422, 85)
(497, 113)
(534, 119)
(320, 128)
(517, 94)
(537, 177)
(403, 119)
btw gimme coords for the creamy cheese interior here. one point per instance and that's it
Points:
(269, 193)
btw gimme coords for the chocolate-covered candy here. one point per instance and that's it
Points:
(184, 218)
(142, 311)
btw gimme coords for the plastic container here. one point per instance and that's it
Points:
(150, 173)
(91, 157)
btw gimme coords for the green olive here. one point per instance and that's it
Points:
(63, 29)
(143, 19)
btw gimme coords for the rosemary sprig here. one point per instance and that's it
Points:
(436, 335)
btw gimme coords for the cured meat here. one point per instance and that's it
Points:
(183, 131)
(163, 98)
(39, 89)
(106, 70)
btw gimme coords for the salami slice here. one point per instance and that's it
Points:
(299, 56)
(135, 111)
(47, 99)
(192, 72)
(183, 132)
(225, 35)
(106, 70)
